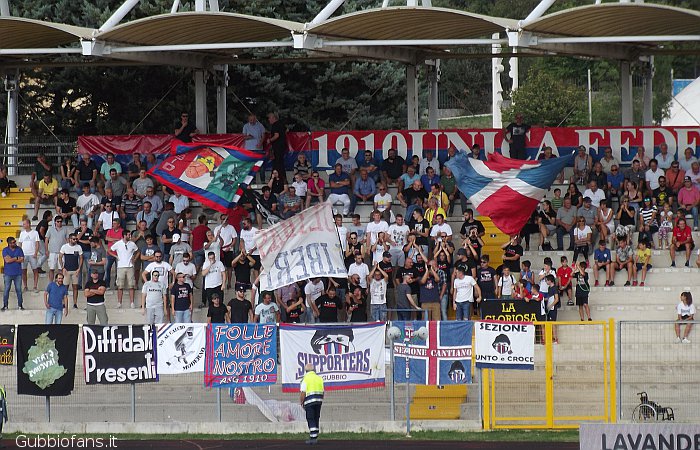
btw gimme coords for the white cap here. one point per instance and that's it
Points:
(176, 238)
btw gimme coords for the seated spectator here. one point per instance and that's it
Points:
(583, 165)
(4, 181)
(108, 165)
(276, 182)
(636, 174)
(664, 158)
(340, 188)
(641, 158)
(408, 178)
(634, 195)
(477, 153)
(594, 193)
(415, 162)
(675, 177)
(429, 161)
(686, 313)
(624, 259)
(602, 260)
(566, 221)
(605, 220)
(300, 186)
(382, 203)
(689, 201)
(575, 195)
(109, 197)
(154, 200)
(681, 241)
(269, 201)
(449, 187)
(46, 193)
(413, 197)
(134, 169)
(66, 208)
(588, 212)
(642, 261)
(663, 193)
(547, 223)
(608, 161)
(686, 161)
(364, 189)
(694, 174)
(439, 195)
(652, 175)
(88, 205)
(179, 201)
(393, 167)
(67, 171)
(302, 166)
(648, 224)
(142, 183)
(116, 183)
(148, 215)
(433, 210)
(429, 178)
(86, 172)
(151, 161)
(41, 168)
(130, 205)
(615, 182)
(370, 166)
(348, 164)
(599, 177)
(315, 188)
(289, 203)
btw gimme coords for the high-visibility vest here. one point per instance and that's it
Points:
(313, 385)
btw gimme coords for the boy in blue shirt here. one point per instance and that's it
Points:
(602, 260)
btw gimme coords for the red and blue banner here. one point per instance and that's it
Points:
(240, 354)
(504, 189)
(346, 356)
(443, 357)
(212, 175)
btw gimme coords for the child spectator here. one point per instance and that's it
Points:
(624, 256)
(583, 288)
(602, 259)
(506, 284)
(520, 291)
(526, 274)
(666, 226)
(553, 304)
(301, 187)
(547, 270)
(558, 200)
(642, 261)
(686, 313)
(564, 273)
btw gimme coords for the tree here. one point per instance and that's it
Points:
(544, 99)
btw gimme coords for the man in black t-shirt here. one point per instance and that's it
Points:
(184, 129)
(326, 307)
(486, 278)
(278, 142)
(408, 268)
(515, 133)
(393, 167)
(421, 228)
(181, 300)
(469, 223)
(66, 208)
(217, 311)
(239, 308)
(95, 296)
(512, 251)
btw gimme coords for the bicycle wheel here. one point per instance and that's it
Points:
(643, 413)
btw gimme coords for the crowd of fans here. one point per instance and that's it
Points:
(402, 259)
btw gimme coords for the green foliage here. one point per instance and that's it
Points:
(545, 99)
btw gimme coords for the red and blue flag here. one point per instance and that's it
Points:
(504, 189)
(213, 175)
(444, 357)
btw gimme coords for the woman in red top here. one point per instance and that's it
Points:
(682, 241)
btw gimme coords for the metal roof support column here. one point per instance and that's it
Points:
(496, 88)
(648, 112)
(626, 94)
(12, 88)
(412, 97)
(221, 85)
(536, 13)
(327, 11)
(433, 86)
(119, 14)
(4, 8)
(200, 100)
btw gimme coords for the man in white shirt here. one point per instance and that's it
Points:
(164, 269)
(664, 158)
(374, 228)
(440, 227)
(87, 205)
(248, 232)
(29, 241)
(429, 161)
(359, 268)
(214, 276)
(313, 290)
(463, 294)
(398, 237)
(653, 173)
(382, 203)
(342, 232)
(180, 202)
(187, 268)
(106, 218)
(126, 252)
(595, 194)
(227, 234)
(253, 132)
(687, 160)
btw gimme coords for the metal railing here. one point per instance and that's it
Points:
(20, 157)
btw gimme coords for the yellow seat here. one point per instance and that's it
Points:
(438, 402)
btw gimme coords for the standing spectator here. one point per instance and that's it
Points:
(440, 196)
(177, 251)
(98, 258)
(247, 244)
(327, 306)
(113, 235)
(130, 205)
(214, 278)
(107, 166)
(624, 259)
(564, 273)
(374, 228)
(583, 288)
(180, 202)
(161, 267)
(340, 188)
(377, 289)
(553, 304)
(239, 308)
(253, 132)
(290, 300)
(41, 169)
(184, 129)
(358, 228)
(126, 252)
(154, 300)
(682, 240)
(300, 185)
(267, 311)
(433, 286)
(168, 231)
(216, 313)
(364, 190)
(686, 313)
(141, 184)
(147, 215)
(278, 142)
(29, 241)
(398, 237)
(226, 234)
(181, 300)
(313, 289)
(56, 301)
(465, 292)
(361, 269)
(516, 134)
(486, 278)
(666, 219)
(95, 290)
(56, 236)
(88, 205)
(13, 257)
(66, 208)
(404, 297)
(47, 193)
(70, 261)
(602, 259)
(449, 187)
(186, 268)
(420, 228)
(392, 167)
(512, 252)
(357, 305)
(689, 201)
(42, 228)
(86, 173)
(199, 237)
